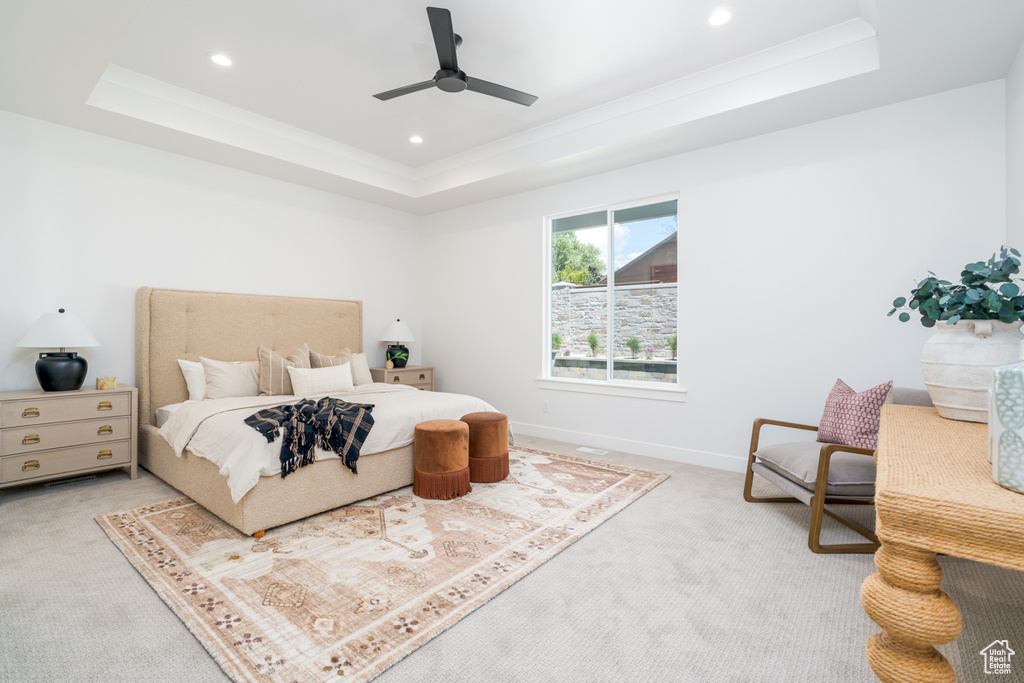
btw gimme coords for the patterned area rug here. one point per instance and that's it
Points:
(351, 591)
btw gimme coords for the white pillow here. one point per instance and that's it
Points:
(225, 379)
(361, 370)
(195, 379)
(316, 381)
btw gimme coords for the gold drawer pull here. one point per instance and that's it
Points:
(105, 405)
(104, 454)
(30, 438)
(422, 376)
(105, 429)
(396, 379)
(30, 412)
(30, 465)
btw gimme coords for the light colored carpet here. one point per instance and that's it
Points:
(351, 591)
(689, 583)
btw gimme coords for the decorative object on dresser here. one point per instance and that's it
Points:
(345, 594)
(395, 336)
(982, 316)
(418, 376)
(1006, 425)
(63, 370)
(838, 467)
(45, 436)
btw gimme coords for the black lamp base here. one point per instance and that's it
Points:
(397, 354)
(61, 371)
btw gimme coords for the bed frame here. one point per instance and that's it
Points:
(172, 324)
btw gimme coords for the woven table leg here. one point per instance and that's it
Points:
(903, 597)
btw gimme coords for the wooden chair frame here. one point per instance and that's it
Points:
(819, 499)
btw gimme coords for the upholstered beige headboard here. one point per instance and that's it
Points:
(172, 324)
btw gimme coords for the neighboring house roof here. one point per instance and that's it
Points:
(640, 268)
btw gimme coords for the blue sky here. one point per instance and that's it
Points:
(631, 239)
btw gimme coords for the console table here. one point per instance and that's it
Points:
(933, 494)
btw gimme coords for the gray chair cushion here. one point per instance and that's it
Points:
(849, 474)
(903, 396)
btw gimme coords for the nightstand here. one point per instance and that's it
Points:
(418, 376)
(52, 434)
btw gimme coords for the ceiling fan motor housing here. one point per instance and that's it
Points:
(451, 81)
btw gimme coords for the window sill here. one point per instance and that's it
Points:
(674, 394)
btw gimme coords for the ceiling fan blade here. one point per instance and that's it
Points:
(494, 90)
(444, 37)
(405, 90)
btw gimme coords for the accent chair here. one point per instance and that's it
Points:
(817, 474)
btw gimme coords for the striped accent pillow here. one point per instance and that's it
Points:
(322, 360)
(319, 381)
(274, 377)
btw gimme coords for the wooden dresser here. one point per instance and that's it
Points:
(418, 376)
(48, 435)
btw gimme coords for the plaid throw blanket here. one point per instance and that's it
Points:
(329, 424)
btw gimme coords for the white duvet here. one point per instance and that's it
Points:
(215, 429)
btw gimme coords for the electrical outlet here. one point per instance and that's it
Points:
(545, 407)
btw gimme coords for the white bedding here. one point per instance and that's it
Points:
(215, 430)
(163, 413)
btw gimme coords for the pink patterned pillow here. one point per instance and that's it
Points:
(851, 418)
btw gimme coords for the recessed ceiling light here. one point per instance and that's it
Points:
(220, 59)
(720, 17)
(415, 139)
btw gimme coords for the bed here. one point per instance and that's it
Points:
(177, 324)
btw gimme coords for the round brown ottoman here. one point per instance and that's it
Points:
(441, 452)
(488, 446)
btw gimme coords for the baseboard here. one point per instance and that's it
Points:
(730, 463)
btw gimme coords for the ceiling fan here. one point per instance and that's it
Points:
(449, 78)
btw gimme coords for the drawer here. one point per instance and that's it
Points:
(412, 376)
(422, 387)
(64, 461)
(33, 411)
(43, 437)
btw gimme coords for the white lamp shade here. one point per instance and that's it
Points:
(397, 332)
(58, 330)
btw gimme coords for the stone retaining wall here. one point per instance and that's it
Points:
(647, 312)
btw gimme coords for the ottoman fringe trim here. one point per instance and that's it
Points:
(441, 486)
(488, 470)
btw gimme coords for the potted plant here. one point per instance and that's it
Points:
(556, 343)
(649, 352)
(592, 341)
(982, 317)
(634, 345)
(672, 342)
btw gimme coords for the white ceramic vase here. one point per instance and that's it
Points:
(957, 363)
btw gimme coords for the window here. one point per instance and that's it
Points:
(612, 297)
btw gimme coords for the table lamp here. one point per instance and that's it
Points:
(64, 370)
(397, 333)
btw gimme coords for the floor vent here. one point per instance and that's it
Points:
(592, 451)
(69, 482)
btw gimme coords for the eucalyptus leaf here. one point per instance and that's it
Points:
(988, 290)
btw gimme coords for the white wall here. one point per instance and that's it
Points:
(1015, 152)
(85, 220)
(793, 246)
